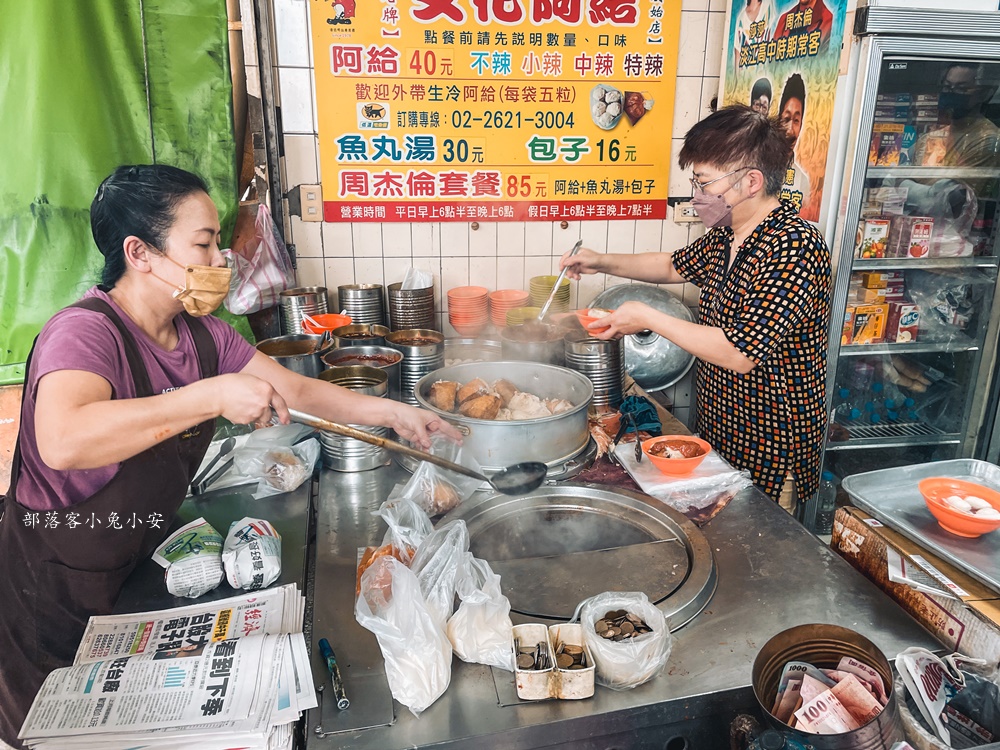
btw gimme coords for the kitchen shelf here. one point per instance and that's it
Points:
(896, 435)
(917, 347)
(954, 173)
(895, 264)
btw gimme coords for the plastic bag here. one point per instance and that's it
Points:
(274, 456)
(408, 525)
(259, 279)
(437, 566)
(481, 631)
(417, 279)
(415, 648)
(622, 665)
(437, 490)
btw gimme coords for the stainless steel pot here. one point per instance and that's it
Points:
(301, 352)
(534, 342)
(551, 440)
(344, 453)
(359, 334)
(382, 357)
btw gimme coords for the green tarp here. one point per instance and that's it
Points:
(86, 85)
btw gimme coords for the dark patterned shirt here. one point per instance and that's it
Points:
(773, 304)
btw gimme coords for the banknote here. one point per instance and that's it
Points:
(825, 714)
(860, 704)
(811, 687)
(790, 701)
(866, 674)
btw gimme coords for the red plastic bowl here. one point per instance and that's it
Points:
(936, 489)
(586, 319)
(326, 322)
(675, 466)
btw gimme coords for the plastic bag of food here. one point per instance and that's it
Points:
(276, 457)
(192, 556)
(625, 664)
(438, 563)
(252, 554)
(414, 646)
(408, 524)
(480, 631)
(437, 490)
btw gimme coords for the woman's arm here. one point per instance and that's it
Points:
(656, 268)
(343, 405)
(79, 426)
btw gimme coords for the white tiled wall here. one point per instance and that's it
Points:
(496, 255)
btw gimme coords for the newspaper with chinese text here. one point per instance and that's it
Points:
(223, 674)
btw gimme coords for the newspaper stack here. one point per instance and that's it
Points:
(218, 675)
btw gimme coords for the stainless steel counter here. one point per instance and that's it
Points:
(772, 575)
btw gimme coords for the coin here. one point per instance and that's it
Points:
(564, 661)
(627, 628)
(524, 661)
(572, 650)
(601, 625)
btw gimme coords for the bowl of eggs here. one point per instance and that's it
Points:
(591, 314)
(960, 507)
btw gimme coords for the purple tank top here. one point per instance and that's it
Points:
(76, 339)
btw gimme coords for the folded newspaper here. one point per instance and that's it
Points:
(217, 675)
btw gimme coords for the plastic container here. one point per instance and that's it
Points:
(535, 684)
(827, 503)
(572, 684)
(936, 489)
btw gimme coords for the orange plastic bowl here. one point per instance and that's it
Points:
(675, 466)
(936, 489)
(586, 319)
(326, 322)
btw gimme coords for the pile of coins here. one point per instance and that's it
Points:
(530, 658)
(619, 625)
(569, 656)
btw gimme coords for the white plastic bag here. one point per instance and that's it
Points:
(416, 651)
(437, 490)
(437, 565)
(263, 272)
(408, 525)
(417, 279)
(622, 665)
(274, 456)
(481, 631)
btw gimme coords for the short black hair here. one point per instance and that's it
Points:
(762, 87)
(736, 136)
(139, 200)
(795, 88)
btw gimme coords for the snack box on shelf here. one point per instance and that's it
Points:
(903, 323)
(869, 323)
(873, 233)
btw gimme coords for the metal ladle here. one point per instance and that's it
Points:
(555, 287)
(518, 479)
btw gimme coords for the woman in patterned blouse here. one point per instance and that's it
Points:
(764, 275)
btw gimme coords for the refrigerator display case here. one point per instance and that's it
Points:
(915, 303)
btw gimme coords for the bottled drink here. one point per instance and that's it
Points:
(846, 411)
(826, 504)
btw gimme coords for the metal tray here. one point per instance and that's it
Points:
(891, 496)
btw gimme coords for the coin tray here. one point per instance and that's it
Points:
(572, 684)
(534, 684)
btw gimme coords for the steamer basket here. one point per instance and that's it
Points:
(823, 646)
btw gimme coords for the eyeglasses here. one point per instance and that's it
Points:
(700, 186)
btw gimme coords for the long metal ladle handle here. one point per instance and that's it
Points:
(555, 287)
(381, 442)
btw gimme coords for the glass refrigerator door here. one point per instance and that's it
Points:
(916, 293)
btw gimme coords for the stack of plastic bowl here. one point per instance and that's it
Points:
(467, 309)
(541, 286)
(504, 300)
(303, 300)
(521, 315)
(363, 302)
(410, 308)
(324, 322)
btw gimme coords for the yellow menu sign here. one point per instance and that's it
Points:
(495, 110)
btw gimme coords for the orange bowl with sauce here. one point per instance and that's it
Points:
(675, 466)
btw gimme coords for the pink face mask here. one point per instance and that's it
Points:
(713, 210)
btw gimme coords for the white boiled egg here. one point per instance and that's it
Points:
(977, 503)
(989, 513)
(958, 504)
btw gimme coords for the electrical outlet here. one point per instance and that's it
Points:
(311, 202)
(684, 213)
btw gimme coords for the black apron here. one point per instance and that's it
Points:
(53, 579)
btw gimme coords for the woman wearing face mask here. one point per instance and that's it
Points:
(764, 276)
(121, 394)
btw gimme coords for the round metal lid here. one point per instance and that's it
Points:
(653, 362)
(559, 545)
